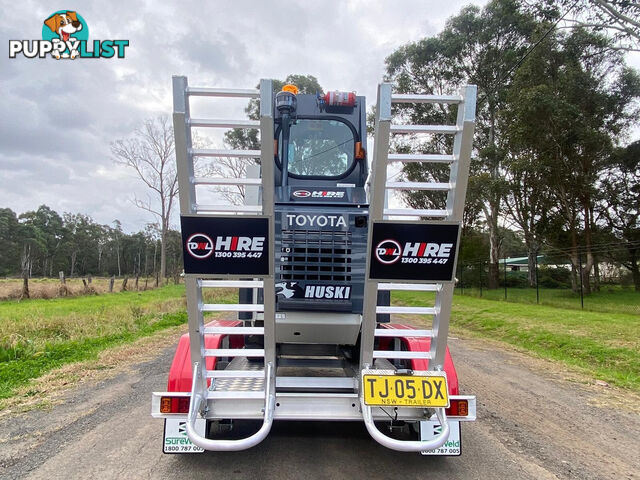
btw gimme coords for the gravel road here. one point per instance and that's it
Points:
(533, 423)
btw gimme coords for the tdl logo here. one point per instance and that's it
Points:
(65, 34)
(200, 246)
(388, 251)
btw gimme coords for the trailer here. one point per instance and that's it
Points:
(315, 254)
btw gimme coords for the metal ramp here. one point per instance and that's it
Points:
(201, 393)
(456, 189)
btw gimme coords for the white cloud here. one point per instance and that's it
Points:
(59, 117)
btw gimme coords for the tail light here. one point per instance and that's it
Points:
(458, 408)
(174, 404)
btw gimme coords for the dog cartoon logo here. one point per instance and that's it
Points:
(65, 34)
(67, 27)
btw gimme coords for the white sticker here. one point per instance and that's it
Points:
(175, 436)
(452, 447)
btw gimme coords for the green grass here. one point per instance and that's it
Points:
(37, 336)
(605, 345)
(612, 299)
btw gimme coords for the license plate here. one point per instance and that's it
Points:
(405, 390)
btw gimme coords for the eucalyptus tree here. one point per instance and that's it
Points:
(478, 46)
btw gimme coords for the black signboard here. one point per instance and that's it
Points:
(225, 245)
(413, 252)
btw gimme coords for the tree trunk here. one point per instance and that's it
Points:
(124, 284)
(531, 265)
(25, 260)
(118, 255)
(635, 272)
(74, 255)
(155, 258)
(494, 258)
(586, 280)
(163, 252)
(574, 270)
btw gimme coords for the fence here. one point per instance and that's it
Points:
(553, 282)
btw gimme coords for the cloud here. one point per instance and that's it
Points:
(59, 117)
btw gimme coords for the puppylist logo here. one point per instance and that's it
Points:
(65, 35)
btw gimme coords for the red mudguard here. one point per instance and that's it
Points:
(180, 373)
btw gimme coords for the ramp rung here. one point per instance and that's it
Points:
(418, 287)
(235, 394)
(229, 208)
(416, 212)
(407, 310)
(221, 123)
(446, 129)
(419, 98)
(231, 283)
(420, 157)
(223, 92)
(207, 152)
(433, 186)
(234, 352)
(315, 382)
(404, 355)
(402, 332)
(232, 307)
(235, 373)
(234, 330)
(225, 181)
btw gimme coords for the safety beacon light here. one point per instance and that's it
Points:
(286, 99)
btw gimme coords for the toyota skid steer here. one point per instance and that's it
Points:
(315, 254)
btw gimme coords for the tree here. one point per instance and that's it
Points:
(478, 47)
(620, 204)
(10, 241)
(619, 20)
(50, 227)
(527, 203)
(150, 153)
(572, 101)
(248, 139)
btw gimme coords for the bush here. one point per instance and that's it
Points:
(554, 277)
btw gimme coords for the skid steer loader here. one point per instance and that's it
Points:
(315, 253)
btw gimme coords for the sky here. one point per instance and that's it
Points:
(59, 117)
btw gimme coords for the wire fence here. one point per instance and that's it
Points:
(552, 278)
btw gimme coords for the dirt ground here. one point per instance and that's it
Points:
(535, 421)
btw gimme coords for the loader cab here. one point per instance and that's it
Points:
(321, 216)
(319, 144)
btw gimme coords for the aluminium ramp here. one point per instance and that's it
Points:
(198, 221)
(388, 244)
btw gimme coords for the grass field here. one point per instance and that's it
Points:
(39, 335)
(613, 299)
(605, 345)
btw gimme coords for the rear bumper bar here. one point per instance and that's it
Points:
(303, 407)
